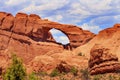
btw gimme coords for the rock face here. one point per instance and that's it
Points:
(5, 60)
(37, 29)
(109, 38)
(63, 67)
(102, 61)
(28, 36)
(63, 62)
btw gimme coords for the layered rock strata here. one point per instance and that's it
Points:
(102, 61)
(37, 29)
(28, 36)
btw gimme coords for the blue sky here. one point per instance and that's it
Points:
(93, 15)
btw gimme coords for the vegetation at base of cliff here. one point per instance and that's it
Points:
(97, 77)
(107, 76)
(85, 74)
(15, 71)
(32, 76)
(54, 73)
(82, 74)
(74, 71)
(42, 73)
(81, 54)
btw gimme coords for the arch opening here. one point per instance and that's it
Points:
(59, 36)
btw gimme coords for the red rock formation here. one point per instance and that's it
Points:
(63, 67)
(28, 36)
(26, 28)
(109, 37)
(36, 28)
(5, 60)
(102, 61)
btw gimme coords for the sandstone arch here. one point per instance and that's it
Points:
(38, 29)
(28, 36)
(76, 35)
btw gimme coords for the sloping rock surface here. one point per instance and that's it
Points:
(109, 38)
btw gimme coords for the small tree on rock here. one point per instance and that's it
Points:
(16, 71)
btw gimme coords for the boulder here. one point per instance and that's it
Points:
(102, 60)
(63, 67)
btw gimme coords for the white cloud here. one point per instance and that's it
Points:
(14, 2)
(96, 5)
(59, 17)
(64, 39)
(61, 39)
(77, 8)
(102, 20)
(77, 12)
(45, 5)
(55, 17)
(115, 3)
(92, 28)
(54, 31)
(88, 7)
(117, 18)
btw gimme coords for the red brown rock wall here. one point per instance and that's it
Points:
(28, 35)
(36, 28)
(102, 60)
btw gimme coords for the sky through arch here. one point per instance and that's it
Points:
(59, 36)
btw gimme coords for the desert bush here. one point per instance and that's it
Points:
(54, 73)
(85, 74)
(42, 73)
(97, 77)
(81, 54)
(16, 71)
(74, 71)
(62, 78)
(111, 77)
(32, 76)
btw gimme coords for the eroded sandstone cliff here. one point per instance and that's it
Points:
(25, 34)
(109, 37)
(37, 29)
(28, 36)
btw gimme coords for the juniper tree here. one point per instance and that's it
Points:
(16, 70)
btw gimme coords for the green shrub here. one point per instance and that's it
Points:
(74, 71)
(81, 54)
(32, 76)
(97, 77)
(16, 71)
(62, 78)
(85, 74)
(54, 73)
(42, 73)
(112, 77)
